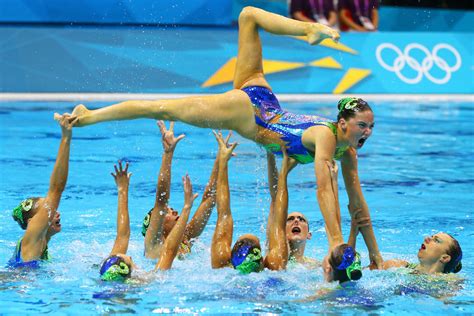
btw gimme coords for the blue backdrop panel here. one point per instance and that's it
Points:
(204, 12)
(180, 60)
(425, 20)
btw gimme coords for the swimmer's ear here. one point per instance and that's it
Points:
(342, 122)
(327, 268)
(445, 258)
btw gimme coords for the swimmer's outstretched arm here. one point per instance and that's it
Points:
(222, 238)
(38, 226)
(325, 146)
(154, 234)
(277, 256)
(122, 179)
(175, 237)
(199, 221)
(333, 170)
(357, 202)
(272, 187)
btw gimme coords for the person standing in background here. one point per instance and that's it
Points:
(321, 11)
(358, 15)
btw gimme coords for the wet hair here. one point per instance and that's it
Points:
(348, 107)
(24, 211)
(114, 268)
(455, 252)
(246, 256)
(345, 264)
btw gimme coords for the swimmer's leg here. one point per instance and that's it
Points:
(231, 110)
(249, 69)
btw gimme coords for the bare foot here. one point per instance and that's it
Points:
(317, 33)
(79, 113)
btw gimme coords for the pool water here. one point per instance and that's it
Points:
(417, 177)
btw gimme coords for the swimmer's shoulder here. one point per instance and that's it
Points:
(311, 134)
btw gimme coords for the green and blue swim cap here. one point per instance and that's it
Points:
(346, 263)
(246, 258)
(114, 268)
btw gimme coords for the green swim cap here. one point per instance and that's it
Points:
(355, 265)
(146, 223)
(24, 206)
(348, 103)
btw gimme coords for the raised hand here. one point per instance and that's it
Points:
(189, 197)
(167, 136)
(225, 149)
(121, 176)
(66, 121)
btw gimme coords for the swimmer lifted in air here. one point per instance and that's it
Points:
(252, 110)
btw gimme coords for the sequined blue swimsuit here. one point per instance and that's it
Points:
(287, 127)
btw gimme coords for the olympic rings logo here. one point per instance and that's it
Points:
(423, 68)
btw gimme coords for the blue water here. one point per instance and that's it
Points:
(417, 177)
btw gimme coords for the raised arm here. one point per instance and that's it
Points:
(277, 256)
(122, 180)
(222, 238)
(39, 224)
(357, 202)
(153, 236)
(174, 239)
(272, 187)
(201, 217)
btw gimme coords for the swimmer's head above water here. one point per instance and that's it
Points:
(342, 264)
(246, 255)
(297, 227)
(28, 208)
(356, 120)
(442, 252)
(116, 268)
(171, 218)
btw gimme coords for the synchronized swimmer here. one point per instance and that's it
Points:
(252, 110)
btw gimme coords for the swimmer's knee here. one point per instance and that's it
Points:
(246, 15)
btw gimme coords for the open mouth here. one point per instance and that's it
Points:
(296, 230)
(423, 247)
(177, 217)
(361, 142)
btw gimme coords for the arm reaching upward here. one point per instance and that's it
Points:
(122, 179)
(154, 234)
(222, 238)
(272, 187)
(39, 224)
(174, 239)
(277, 256)
(200, 218)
